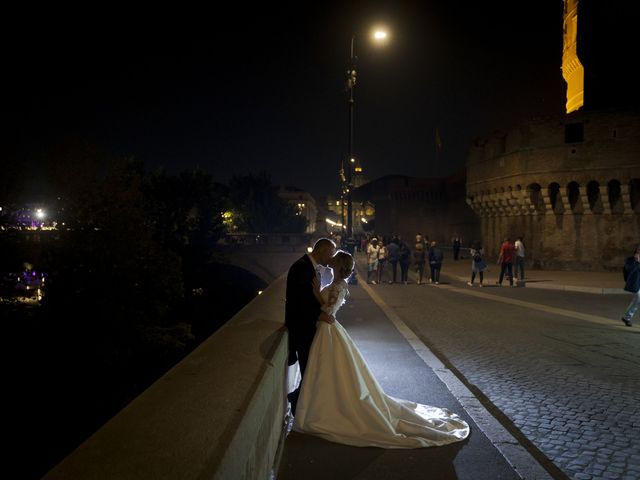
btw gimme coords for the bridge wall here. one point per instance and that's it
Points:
(218, 414)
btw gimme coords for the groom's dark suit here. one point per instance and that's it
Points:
(302, 310)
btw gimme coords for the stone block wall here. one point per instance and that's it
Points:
(570, 187)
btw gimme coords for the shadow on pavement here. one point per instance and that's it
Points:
(335, 461)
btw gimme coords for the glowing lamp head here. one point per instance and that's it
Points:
(40, 214)
(380, 35)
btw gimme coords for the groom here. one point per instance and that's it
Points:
(302, 309)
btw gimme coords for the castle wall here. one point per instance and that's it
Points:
(570, 187)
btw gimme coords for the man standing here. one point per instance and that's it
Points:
(505, 260)
(392, 256)
(519, 259)
(435, 262)
(302, 309)
(456, 248)
(632, 284)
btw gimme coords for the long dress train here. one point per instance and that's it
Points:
(341, 401)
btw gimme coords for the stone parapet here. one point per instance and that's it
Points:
(218, 414)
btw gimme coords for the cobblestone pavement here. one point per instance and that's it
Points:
(570, 384)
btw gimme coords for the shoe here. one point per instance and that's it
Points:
(437, 283)
(626, 322)
(374, 282)
(470, 284)
(481, 285)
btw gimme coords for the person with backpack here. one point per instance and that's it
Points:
(478, 265)
(631, 274)
(435, 262)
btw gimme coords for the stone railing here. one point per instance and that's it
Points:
(218, 414)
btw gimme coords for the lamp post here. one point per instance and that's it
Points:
(351, 83)
(380, 36)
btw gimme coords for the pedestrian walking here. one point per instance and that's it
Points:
(505, 260)
(478, 265)
(435, 262)
(519, 267)
(392, 257)
(419, 259)
(372, 260)
(383, 254)
(632, 284)
(404, 258)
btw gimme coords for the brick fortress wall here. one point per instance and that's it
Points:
(569, 186)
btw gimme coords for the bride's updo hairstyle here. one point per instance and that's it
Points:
(344, 264)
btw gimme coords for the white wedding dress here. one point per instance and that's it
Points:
(341, 401)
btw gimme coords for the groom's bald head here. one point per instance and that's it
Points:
(323, 250)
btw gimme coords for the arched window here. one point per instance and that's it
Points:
(593, 194)
(615, 197)
(535, 196)
(634, 194)
(554, 197)
(573, 195)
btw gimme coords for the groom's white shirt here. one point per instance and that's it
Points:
(325, 274)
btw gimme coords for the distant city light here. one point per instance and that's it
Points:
(331, 222)
(309, 249)
(40, 213)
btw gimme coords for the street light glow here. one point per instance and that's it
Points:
(380, 35)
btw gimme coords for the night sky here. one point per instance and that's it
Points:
(237, 90)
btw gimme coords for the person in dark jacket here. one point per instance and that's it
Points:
(632, 284)
(435, 262)
(392, 256)
(404, 257)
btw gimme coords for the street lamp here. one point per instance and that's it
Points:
(380, 36)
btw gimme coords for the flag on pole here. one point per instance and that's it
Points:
(438, 140)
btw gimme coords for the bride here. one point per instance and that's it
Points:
(340, 399)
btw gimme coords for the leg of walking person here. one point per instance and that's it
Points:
(632, 309)
(521, 261)
(510, 274)
(503, 267)
(405, 272)
(437, 274)
(394, 268)
(481, 277)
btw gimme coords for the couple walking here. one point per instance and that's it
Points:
(339, 399)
